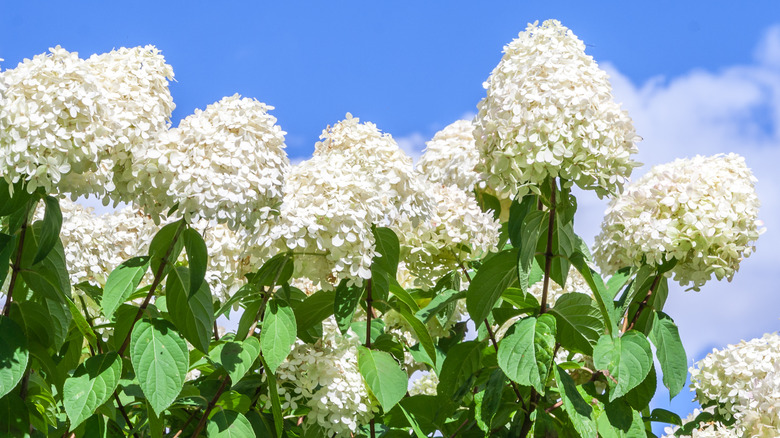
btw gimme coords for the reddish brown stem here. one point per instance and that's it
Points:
(212, 403)
(548, 254)
(156, 282)
(17, 266)
(642, 305)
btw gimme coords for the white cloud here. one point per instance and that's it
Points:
(413, 144)
(736, 109)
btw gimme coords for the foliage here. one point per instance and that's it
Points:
(348, 274)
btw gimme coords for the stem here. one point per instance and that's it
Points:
(119, 404)
(548, 255)
(369, 314)
(557, 405)
(17, 266)
(156, 282)
(216, 332)
(642, 305)
(212, 402)
(454, 434)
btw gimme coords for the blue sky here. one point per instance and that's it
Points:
(697, 77)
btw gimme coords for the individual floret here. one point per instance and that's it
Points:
(549, 112)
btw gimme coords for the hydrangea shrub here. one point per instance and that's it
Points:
(354, 275)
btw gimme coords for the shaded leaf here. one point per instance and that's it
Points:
(628, 359)
(197, 258)
(121, 283)
(671, 353)
(92, 384)
(492, 279)
(579, 322)
(13, 354)
(236, 357)
(191, 313)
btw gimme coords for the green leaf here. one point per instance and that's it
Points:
(197, 258)
(193, 313)
(517, 213)
(628, 359)
(412, 422)
(525, 353)
(275, 271)
(564, 242)
(531, 229)
(7, 246)
(663, 416)
(49, 277)
(617, 281)
(236, 357)
(13, 350)
(14, 417)
(383, 376)
(389, 249)
(579, 322)
(604, 300)
(462, 361)
(420, 332)
(314, 309)
(121, 283)
(579, 411)
(345, 303)
(523, 301)
(488, 400)
(248, 318)
(81, 323)
(671, 353)
(229, 424)
(160, 359)
(50, 231)
(166, 242)
(492, 279)
(92, 384)
(10, 204)
(488, 202)
(276, 404)
(618, 420)
(639, 398)
(278, 334)
(402, 295)
(438, 303)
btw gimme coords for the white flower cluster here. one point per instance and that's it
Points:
(54, 119)
(457, 230)
(225, 163)
(135, 81)
(743, 382)
(325, 377)
(425, 385)
(67, 124)
(549, 111)
(701, 211)
(358, 177)
(574, 283)
(709, 429)
(451, 156)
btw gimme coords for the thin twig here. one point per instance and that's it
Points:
(209, 407)
(17, 266)
(548, 255)
(119, 404)
(642, 305)
(454, 434)
(156, 282)
(557, 405)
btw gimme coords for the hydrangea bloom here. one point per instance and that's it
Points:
(70, 123)
(457, 230)
(451, 156)
(701, 211)
(743, 381)
(54, 119)
(549, 111)
(325, 377)
(135, 81)
(224, 163)
(425, 384)
(358, 177)
(710, 429)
